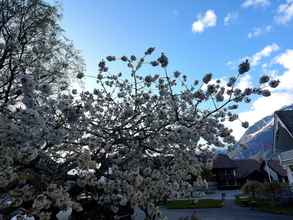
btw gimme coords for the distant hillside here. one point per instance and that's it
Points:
(257, 141)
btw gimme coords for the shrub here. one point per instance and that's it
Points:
(252, 188)
(272, 189)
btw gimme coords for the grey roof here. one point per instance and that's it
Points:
(222, 161)
(287, 118)
(247, 166)
(276, 166)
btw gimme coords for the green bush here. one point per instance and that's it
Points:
(273, 188)
(253, 188)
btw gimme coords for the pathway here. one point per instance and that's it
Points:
(229, 212)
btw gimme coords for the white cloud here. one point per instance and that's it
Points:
(261, 108)
(233, 64)
(265, 52)
(244, 82)
(209, 19)
(285, 12)
(264, 106)
(285, 59)
(255, 3)
(230, 18)
(256, 58)
(286, 79)
(259, 31)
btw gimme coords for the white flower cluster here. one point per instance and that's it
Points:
(54, 196)
(132, 141)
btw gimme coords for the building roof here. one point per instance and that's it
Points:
(222, 161)
(276, 166)
(287, 118)
(246, 167)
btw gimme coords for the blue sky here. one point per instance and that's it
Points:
(199, 36)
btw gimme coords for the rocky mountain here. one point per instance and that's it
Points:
(257, 141)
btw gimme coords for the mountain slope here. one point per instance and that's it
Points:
(257, 141)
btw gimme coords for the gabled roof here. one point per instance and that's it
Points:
(283, 131)
(246, 167)
(276, 166)
(287, 119)
(222, 161)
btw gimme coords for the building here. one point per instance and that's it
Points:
(229, 173)
(276, 171)
(250, 169)
(224, 170)
(283, 140)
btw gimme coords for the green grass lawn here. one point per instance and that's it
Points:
(210, 192)
(265, 206)
(243, 201)
(189, 204)
(275, 209)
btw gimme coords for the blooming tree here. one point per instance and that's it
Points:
(135, 138)
(132, 141)
(32, 46)
(36, 63)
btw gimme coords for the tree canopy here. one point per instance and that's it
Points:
(136, 139)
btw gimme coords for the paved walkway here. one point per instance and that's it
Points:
(229, 194)
(229, 212)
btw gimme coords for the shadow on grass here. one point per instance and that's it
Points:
(191, 204)
(265, 205)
